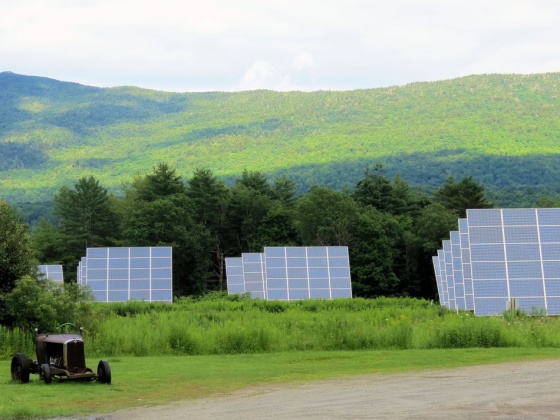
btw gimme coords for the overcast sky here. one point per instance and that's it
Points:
(232, 45)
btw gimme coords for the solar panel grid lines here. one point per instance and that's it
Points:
(234, 275)
(506, 254)
(448, 259)
(51, 272)
(137, 273)
(254, 274)
(466, 263)
(292, 273)
(444, 298)
(457, 263)
(437, 271)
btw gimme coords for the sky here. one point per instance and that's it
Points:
(283, 45)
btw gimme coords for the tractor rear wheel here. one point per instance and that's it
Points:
(20, 368)
(104, 372)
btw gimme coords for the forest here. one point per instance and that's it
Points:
(391, 229)
(502, 130)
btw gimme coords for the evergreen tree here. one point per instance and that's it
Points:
(284, 190)
(48, 243)
(85, 215)
(254, 180)
(462, 195)
(431, 227)
(86, 219)
(247, 208)
(209, 197)
(395, 196)
(162, 182)
(377, 239)
(375, 190)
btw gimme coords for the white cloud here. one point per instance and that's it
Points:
(303, 61)
(260, 75)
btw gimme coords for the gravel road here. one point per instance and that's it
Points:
(521, 390)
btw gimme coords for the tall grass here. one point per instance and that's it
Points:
(233, 325)
(15, 341)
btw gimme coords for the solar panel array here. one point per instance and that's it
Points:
(291, 273)
(120, 274)
(503, 255)
(51, 272)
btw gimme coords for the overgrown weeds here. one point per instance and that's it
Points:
(231, 325)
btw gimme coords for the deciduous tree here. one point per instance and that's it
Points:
(16, 255)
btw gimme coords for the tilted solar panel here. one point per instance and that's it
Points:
(51, 272)
(121, 274)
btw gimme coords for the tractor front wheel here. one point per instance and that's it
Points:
(46, 374)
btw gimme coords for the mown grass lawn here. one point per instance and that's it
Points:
(158, 380)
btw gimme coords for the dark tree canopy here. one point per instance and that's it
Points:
(326, 217)
(162, 182)
(255, 180)
(85, 214)
(462, 195)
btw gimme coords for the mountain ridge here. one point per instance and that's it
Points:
(499, 126)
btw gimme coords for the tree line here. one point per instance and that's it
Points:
(391, 229)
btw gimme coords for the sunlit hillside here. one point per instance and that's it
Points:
(504, 130)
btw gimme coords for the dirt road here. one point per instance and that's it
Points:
(529, 390)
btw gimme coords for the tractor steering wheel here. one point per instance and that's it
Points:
(66, 325)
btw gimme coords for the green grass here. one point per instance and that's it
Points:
(146, 381)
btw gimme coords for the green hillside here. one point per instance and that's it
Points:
(504, 130)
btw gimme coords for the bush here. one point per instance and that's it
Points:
(45, 304)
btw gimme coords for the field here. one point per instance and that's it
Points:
(195, 349)
(148, 381)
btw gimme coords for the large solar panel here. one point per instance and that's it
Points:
(51, 272)
(291, 273)
(122, 274)
(315, 272)
(505, 255)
